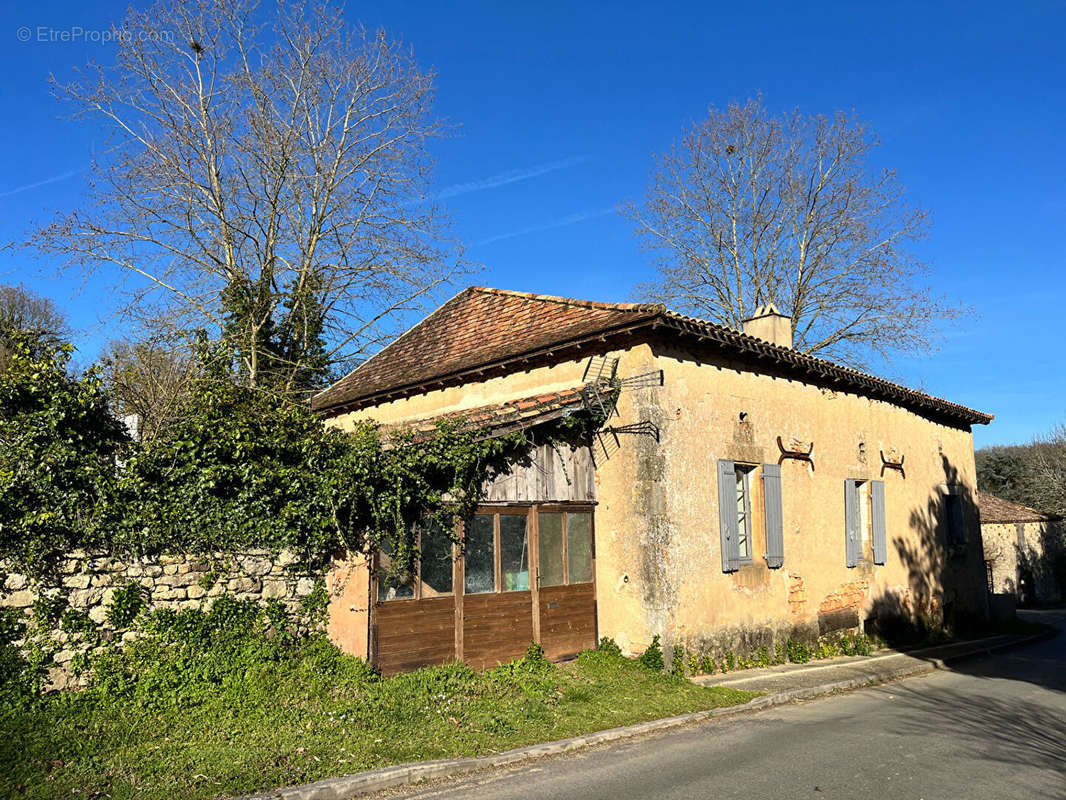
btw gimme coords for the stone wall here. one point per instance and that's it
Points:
(89, 581)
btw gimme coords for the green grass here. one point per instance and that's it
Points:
(306, 714)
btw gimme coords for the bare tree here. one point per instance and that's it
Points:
(1047, 472)
(266, 182)
(23, 311)
(150, 380)
(751, 208)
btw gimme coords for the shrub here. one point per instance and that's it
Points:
(798, 652)
(677, 663)
(652, 658)
(608, 645)
(126, 604)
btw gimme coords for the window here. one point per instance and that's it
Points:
(514, 553)
(742, 476)
(864, 514)
(579, 547)
(565, 547)
(550, 549)
(429, 575)
(480, 554)
(955, 522)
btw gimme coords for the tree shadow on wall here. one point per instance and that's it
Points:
(1041, 570)
(946, 590)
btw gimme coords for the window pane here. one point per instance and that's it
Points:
(514, 553)
(743, 514)
(480, 555)
(436, 561)
(392, 585)
(579, 547)
(551, 548)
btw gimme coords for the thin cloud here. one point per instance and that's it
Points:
(54, 179)
(562, 222)
(511, 176)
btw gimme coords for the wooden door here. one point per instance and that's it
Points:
(497, 607)
(565, 588)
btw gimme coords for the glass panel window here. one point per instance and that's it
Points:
(392, 584)
(480, 555)
(551, 548)
(863, 490)
(743, 513)
(514, 553)
(436, 561)
(579, 547)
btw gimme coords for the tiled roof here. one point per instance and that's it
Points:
(481, 330)
(997, 510)
(501, 417)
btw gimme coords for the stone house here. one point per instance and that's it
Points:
(739, 494)
(1023, 548)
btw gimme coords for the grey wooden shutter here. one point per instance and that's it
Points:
(877, 503)
(851, 522)
(775, 529)
(727, 515)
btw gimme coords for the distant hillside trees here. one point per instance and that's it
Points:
(1031, 474)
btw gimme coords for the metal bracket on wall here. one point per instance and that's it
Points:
(896, 465)
(798, 455)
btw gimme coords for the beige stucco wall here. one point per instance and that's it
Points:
(1003, 552)
(564, 375)
(659, 568)
(658, 562)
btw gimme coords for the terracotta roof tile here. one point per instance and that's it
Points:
(498, 417)
(480, 329)
(997, 510)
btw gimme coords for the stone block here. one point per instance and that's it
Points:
(195, 592)
(304, 587)
(98, 614)
(244, 585)
(274, 590)
(23, 599)
(254, 565)
(14, 582)
(83, 598)
(79, 581)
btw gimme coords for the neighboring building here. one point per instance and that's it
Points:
(1023, 550)
(741, 493)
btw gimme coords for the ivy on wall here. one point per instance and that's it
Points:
(238, 469)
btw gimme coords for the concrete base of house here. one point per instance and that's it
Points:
(797, 682)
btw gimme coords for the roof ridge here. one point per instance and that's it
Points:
(812, 360)
(570, 301)
(1045, 514)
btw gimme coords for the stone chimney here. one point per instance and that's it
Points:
(770, 325)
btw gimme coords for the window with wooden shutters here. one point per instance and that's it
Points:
(775, 529)
(727, 515)
(852, 540)
(955, 522)
(880, 533)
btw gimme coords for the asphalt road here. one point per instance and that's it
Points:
(992, 728)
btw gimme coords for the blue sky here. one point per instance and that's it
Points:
(560, 106)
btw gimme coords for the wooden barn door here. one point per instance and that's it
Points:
(565, 586)
(497, 606)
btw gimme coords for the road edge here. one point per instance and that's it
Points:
(361, 783)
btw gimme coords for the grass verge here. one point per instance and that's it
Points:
(171, 718)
